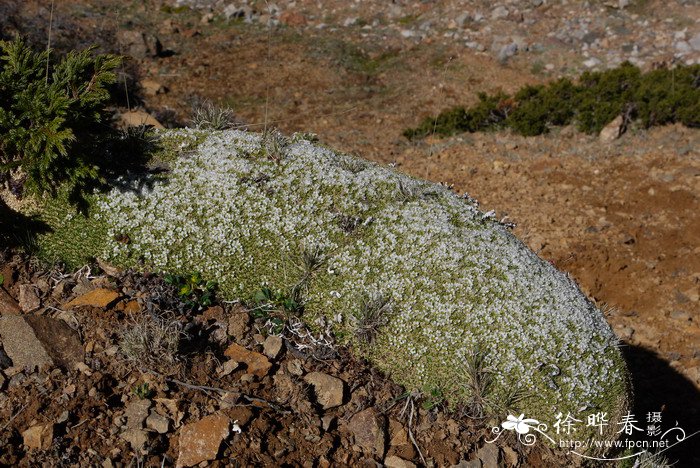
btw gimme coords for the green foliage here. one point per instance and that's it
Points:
(658, 97)
(48, 112)
(142, 391)
(193, 290)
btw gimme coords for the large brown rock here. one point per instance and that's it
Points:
(369, 429)
(99, 297)
(329, 390)
(8, 306)
(200, 441)
(39, 436)
(34, 341)
(257, 363)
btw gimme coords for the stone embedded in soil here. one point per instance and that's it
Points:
(238, 324)
(137, 438)
(489, 455)
(136, 413)
(21, 343)
(61, 342)
(228, 367)
(28, 298)
(257, 363)
(329, 390)
(612, 131)
(158, 423)
(99, 297)
(8, 306)
(39, 436)
(200, 441)
(369, 429)
(272, 346)
(395, 462)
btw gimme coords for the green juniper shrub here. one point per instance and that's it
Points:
(539, 107)
(489, 113)
(671, 96)
(603, 96)
(658, 97)
(48, 114)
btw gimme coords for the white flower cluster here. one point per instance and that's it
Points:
(455, 278)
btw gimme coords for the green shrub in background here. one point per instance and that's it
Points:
(48, 115)
(658, 97)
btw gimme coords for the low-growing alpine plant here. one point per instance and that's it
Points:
(413, 275)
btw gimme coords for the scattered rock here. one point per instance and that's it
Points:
(510, 457)
(136, 413)
(137, 438)
(591, 62)
(238, 324)
(395, 462)
(257, 363)
(612, 131)
(499, 12)
(292, 18)
(99, 297)
(39, 436)
(137, 118)
(152, 88)
(369, 429)
(28, 298)
(489, 455)
(200, 441)
(329, 390)
(228, 367)
(21, 343)
(507, 51)
(158, 423)
(8, 306)
(62, 343)
(139, 45)
(272, 346)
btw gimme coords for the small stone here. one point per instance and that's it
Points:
(21, 343)
(200, 441)
(536, 3)
(329, 390)
(83, 368)
(694, 42)
(39, 436)
(295, 368)
(489, 455)
(507, 51)
(137, 438)
(136, 413)
(152, 88)
(591, 62)
(28, 298)
(158, 423)
(368, 428)
(139, 45)
(499, 12)
(292, 18)
(228, 367)
(396, 462)
(257, 363)
(272, 346)
(137, 118)
(238, 324)
(612, 131)
(510, 456)
(99, 297)
(8, 306)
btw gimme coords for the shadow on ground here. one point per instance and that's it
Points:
(660, 388)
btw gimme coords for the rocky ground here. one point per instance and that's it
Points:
(213, 383)
(620, 216)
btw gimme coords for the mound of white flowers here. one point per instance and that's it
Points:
(439, 295)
